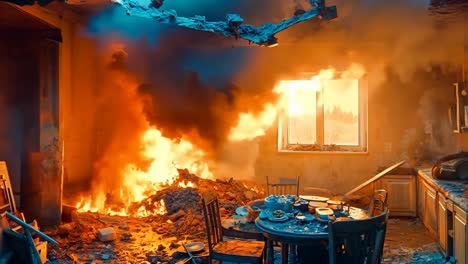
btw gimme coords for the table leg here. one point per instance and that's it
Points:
(284, 253)
(292, 253)
(270, 251)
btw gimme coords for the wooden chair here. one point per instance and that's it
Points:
(283, 186)
(317, 192)
(238, 251)
(357, 241)
(379, 202)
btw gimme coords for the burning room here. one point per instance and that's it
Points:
(240, 131)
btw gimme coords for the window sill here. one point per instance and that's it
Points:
(323, 152)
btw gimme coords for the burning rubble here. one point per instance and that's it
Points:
(153, 238)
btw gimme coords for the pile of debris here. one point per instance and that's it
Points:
(96, 238)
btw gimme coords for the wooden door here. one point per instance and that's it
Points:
(421, 199)
(430, 212)
(442, 224)
(401, 194)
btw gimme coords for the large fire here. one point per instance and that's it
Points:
(168, 155)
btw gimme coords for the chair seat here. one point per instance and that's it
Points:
(239, 251)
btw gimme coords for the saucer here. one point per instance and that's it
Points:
(278, 219)
(193, 247)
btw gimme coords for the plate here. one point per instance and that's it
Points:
(317, 204)
(193, 247)
(242, 211)
(314, 198)
(279, 219)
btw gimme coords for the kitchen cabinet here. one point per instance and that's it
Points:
(420, 198)
(428, 214)
(401, 194)
(450, 221)
(442, 224)
(445, 224)
(459, 235)
(458, 112)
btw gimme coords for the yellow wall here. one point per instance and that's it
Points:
(76, 85)
(406, 121)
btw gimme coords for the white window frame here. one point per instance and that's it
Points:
(320, 147)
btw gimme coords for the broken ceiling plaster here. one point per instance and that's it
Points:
(263, 35)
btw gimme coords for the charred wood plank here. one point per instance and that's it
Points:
(30, 228)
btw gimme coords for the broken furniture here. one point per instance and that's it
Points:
(20, 247)
(7, 200)
(357, 241)
(379, 202)
(399, 182)
(239, 251)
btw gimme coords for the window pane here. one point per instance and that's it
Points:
(302, 116)
(341, 112)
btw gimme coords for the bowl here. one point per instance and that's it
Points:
(324, 213)
(279, 202)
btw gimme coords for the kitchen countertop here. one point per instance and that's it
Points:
(453, 189)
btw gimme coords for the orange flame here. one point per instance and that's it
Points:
(166, 155)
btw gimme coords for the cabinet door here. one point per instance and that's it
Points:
(421, 198)
(442, 224)
(459, 233)
(401, 194)
(430, 212)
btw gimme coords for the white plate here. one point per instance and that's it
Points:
(317, 204)
(279, 219)
(192, 247)
(314, 198)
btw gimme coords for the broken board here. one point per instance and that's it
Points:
(376, 177)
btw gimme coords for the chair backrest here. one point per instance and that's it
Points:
(317, 192)
(283, 186)
(357, 241)
(379, 202)
(212, 217)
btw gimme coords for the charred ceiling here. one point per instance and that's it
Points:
(17, 23)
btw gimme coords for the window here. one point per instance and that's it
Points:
(323, 114)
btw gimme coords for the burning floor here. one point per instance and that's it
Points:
(92, 237)
(147, 240)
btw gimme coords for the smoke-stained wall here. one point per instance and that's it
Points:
(406, 121)
(196, 81)
(19, 116)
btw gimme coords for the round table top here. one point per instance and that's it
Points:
(310, 228)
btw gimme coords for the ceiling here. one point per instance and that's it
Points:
(13, 18)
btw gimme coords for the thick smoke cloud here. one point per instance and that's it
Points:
(195, 83)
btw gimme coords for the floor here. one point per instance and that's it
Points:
(407, 241)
